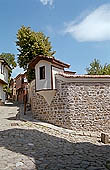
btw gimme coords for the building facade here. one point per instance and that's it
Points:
(4, 70)
(78, 102)
(21, 87)
(13, 89)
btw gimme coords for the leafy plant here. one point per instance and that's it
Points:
(31, 44)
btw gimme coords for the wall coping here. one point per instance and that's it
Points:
(84, 78)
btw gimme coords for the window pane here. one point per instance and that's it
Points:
(42, 72)
(2, 68)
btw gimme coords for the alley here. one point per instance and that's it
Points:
(30, 145)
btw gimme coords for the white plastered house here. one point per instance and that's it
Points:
(45, 70)
(4, 71)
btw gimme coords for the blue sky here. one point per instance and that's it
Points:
(79, 30)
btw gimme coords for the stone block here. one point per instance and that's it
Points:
(104, 138)
(1, 103)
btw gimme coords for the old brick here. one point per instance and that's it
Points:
(104, 138)
(73, 99)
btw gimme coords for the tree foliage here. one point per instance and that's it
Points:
(30, 74)
(106, 69)
(96, 68)
(30, 44)
(10, 59)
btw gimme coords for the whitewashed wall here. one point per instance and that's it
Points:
(4, 76)
(44, 83)
(1, 75)
(0, 67)
(54, 72)
(2, 93)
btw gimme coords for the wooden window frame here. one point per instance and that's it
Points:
(2, 68)
(42, 72)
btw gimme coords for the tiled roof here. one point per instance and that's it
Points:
(47, 58)
(83, 76)
(69, 72)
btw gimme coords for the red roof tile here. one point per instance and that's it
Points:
(83, 76)
(47, 58)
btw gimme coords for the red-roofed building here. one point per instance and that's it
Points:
(21, 87)
(78, 102)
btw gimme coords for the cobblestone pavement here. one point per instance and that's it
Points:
(34, 145)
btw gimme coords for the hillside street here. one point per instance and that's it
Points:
(34, 145)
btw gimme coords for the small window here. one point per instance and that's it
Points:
(22, 80)
(2, 69)
(42, 72)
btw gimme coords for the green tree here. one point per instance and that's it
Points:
(10, 59)
(30, 44)
(96, 68)
(106, 69)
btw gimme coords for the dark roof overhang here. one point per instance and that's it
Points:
(49, 59)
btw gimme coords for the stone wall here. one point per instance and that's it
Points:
(56, 113)
(76, 105)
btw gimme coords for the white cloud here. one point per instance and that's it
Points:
(17, 71)
(46, 2)
(93, 27)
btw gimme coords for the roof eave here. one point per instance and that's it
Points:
(52, 60)
(3, 82)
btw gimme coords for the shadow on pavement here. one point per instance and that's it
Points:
(53, 153)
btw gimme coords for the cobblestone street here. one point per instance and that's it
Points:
(34, 145)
